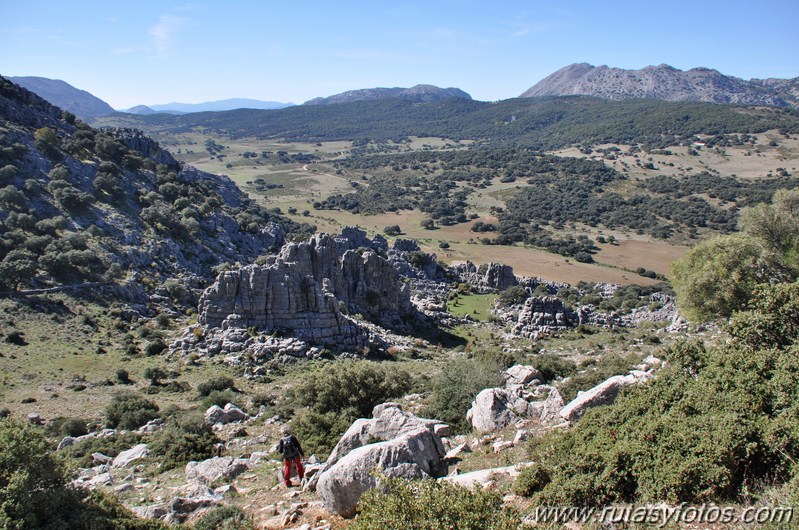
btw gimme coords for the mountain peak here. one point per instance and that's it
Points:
(662, 82)
(421, 93)
(62, 94)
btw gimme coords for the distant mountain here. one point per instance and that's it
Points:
(421, 93)
(144, 110)
(666, 83)
(216, 106)
(62, 94)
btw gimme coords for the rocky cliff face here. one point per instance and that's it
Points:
(488, 277)
(421, 93)
(309, 289)
(666, 83)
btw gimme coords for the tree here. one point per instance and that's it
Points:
(717, 276)
(428, 224)
(18, 267)
(46, 141)
(392, 230)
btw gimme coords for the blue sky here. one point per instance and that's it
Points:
(147, 52)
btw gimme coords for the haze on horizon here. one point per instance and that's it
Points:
(191, 52)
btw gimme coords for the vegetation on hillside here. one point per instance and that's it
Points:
(78, 204)
(540, 123)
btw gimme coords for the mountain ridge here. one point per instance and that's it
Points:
(61, 94)
(419, 93)
(664, 82)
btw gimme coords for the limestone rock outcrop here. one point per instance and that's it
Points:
(496, 408)
(543, 315)
(308, 292)
(488, 277)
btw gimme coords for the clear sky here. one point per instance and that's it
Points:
(149, 52)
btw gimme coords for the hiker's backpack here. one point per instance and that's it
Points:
(290, 449)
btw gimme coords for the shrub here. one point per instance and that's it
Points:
(219, 398)
(32, 480)
(186, 438)
(429, 505)
(553, 366)
(217, 383)
(66, 427)
(513, 296)
(716, 421)
(225, 518)
(336, 394)
(455, 387)
(129, 411)
(392, 230)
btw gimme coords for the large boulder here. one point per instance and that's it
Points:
(134, 453)
(388, 422)
(211, 470)
(415, 455)
(230, 414)
(522, 375)
(602, 394)
(496, 408)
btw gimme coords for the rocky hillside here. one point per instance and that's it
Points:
(82, 205)
(666, 83)
(79, 102)
(420, 93)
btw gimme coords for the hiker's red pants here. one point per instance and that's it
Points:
(297, 462)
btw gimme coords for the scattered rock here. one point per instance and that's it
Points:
(154, 511)
(34, 419)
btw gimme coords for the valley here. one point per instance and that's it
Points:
(592, 303)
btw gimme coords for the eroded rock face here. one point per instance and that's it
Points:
(496, 408)
(415, 455)
(543, 315)
(306, 289)
(487, 277)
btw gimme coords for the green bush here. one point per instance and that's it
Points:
(34, 493)
(185, 438)
(432, 505)
(553, 366)
(219, 398)
(129, 411)
(66, 427)
(350, 385)
(456, 386)
(513, 296)
(333, 395)
(217, 383)
(225, 518)
(714, 424)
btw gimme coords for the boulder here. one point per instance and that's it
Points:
(549, 409)
(495, 408)
(602, 394)
(208, 471)
(66, 441)
(230, 414)
(134, 453)
(484, 476)
(388, 422)
(415, 455)
(181, 508)
(522, 375)
(153, 511)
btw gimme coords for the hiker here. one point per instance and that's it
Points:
(292, 454)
